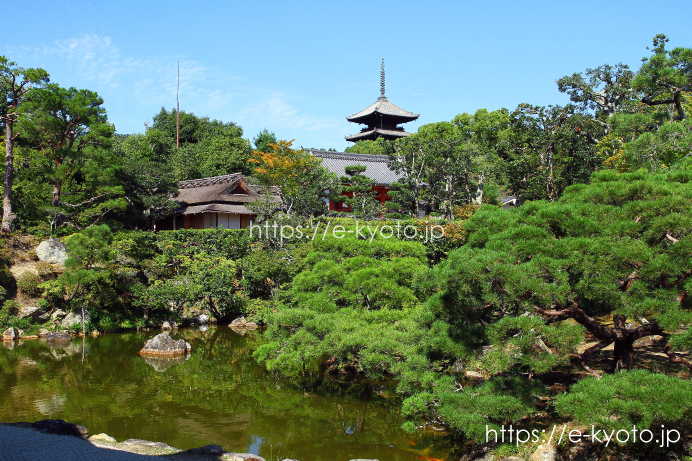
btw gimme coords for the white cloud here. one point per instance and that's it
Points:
(136, 88)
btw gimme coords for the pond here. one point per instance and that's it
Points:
(219, 395)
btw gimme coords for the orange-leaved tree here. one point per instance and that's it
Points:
(281, 167)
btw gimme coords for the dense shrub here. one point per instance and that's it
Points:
(28, 283)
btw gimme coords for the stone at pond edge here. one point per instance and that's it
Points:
(240, 322)
(162, 344)
(147, 443)
(43, 332)
(58, 336)
(52, 251)
(60, 427)
(75, 318)
(9, 334)
(207, 450)
(102, 438)
(241, 457)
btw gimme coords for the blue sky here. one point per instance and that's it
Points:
(299, 68)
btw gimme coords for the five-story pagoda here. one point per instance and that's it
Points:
(381, 118)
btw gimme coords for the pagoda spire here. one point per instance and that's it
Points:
(381, 119)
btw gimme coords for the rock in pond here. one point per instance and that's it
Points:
(240, 322)
(147, 443)
(43, 332)
(9, 334)
(164, 345)
(241, 457)
(202, 319)
(52, 251)
(102, 438)
(58, 336)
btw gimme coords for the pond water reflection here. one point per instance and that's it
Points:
(219, 395)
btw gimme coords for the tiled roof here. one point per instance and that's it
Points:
(377, 166)
(384, 107)
(377, 131)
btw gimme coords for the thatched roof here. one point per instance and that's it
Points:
(218, 194)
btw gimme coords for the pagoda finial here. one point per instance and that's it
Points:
(382, 80)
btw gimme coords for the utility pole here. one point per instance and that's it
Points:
(177, 113)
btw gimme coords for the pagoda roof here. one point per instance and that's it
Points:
(377, 133)
(383, 107)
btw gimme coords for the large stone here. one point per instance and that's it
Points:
(52, 251)
(240, 322)
(43, 332)
(164, 345)
(75, 318)
(544, 453)
(60, 427)
(241, 457)
(9, 334)
(202, 319)
(102, 438)
(58, 314)
(36, 314)
(58, 336)
(147, 443)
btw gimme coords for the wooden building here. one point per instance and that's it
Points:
(213, 202)
(381, 119)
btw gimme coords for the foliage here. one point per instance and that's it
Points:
(15, 84)
(263, 139)
(367, 146)
(70, 128)
(624, 400)
(284, 168)
(360, 196)
(28, 283)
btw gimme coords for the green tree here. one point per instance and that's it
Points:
(148, 187)
(408, 157)
(361, 197)
(604, 91)
(90, 252)
(15, 83)
(70, 128)
(367, 146)
(665, 77)
(263, 139)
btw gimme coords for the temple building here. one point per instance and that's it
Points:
(381, 119)
(218, 201)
